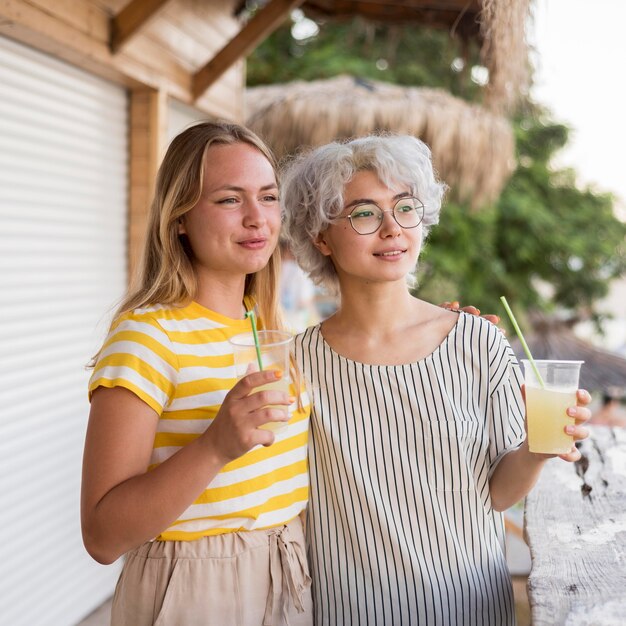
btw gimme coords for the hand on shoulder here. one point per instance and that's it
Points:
(472, 310)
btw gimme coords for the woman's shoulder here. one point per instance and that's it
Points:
(151, 320)
(307, 334)
(477, 324)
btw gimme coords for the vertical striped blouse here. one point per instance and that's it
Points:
(400, 524)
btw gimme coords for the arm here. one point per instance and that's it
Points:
(122, 504)
(518, 471)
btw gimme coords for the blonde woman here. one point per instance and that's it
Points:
(417, 426)
(177, 475)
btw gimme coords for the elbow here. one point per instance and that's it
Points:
(98, 548)
(499, 507)
(500, 497)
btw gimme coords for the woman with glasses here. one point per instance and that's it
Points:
(418, 436)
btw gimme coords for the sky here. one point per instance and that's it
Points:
(579, 56)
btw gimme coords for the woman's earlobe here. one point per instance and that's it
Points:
(181, 227)
(320, 243)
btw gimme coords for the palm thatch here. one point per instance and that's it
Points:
(603, 371)
(505, 51)
(473, 149)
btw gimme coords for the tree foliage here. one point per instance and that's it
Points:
(546, 243)
(392, 53)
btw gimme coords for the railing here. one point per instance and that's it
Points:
(575, 526)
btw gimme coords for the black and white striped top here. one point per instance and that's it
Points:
(400, 524)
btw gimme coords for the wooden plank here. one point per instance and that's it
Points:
(207, 24)
(141, 62)
(131, 19)
(260, 26)
(148, 133)
(89, 18)
(575, 526)
(26, 23)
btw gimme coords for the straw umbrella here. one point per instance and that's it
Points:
(473, 148)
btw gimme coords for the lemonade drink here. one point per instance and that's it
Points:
(547, 418)
(274, 350)
(546, 408)
(279, 385)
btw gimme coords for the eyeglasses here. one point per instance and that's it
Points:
(367, 218)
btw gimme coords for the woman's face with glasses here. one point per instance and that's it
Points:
(378, 236)
(367, 217)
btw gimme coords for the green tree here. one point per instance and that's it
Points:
(545, 244)
(393, 53)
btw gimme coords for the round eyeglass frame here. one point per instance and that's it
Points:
(392, 211)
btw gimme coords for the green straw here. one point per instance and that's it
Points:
(250, 314)
(523, 341)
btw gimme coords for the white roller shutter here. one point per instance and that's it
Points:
(63, 205)
(180, 116)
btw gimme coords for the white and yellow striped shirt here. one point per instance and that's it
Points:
(178, 361)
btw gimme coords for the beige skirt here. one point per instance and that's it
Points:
(257, 578)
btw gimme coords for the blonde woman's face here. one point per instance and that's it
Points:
(234, 228)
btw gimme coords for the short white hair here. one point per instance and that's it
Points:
(313, 185)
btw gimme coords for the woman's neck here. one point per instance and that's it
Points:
(375, 309)
(384, 325)
(222, 294)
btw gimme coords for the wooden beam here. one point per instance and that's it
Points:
(265, 21)
(84, 42)
(130, 19)
(148, 135)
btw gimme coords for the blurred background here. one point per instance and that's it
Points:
(520, 101)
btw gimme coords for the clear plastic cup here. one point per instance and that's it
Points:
(274, 346)
(546, 408)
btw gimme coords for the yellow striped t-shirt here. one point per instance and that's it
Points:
(178, 361)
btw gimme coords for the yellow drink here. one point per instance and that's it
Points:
(547, 417)
(279, 385)
(273, 352)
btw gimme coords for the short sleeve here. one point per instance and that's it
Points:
(506, 406)
(138, 356)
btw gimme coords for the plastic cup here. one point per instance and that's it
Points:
(274, 348)
(546, 408)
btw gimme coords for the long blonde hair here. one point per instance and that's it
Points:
(166, 272)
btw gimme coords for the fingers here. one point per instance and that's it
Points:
(583, 397)
(253, 366)
(267, 398)
(572, 456)
(577, 432)
(251, 381)
(269, 414)
(580, 413)
(450, 306)
(494, 319)
(455, 305)
(472, 310)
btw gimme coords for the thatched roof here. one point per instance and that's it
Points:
(473, 149)
(499, 26)
(603, 371)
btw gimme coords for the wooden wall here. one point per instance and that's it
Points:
(180, 38)
(157, 62)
